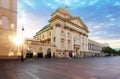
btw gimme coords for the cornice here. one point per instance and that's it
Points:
(66, 20)
(61, 13)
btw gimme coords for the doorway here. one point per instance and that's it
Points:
(48, 55)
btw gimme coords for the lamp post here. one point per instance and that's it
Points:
(22, 59)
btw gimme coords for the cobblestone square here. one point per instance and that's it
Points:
(82, 68)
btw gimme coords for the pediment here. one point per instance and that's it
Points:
(76, 21)
(79, 22)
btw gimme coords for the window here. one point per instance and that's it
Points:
(5, 4)
(74, 40)
(54, 39)
(49, 33)
(0, 3)
(69, 44)
(4, 22)
(62, 42)
(62, 31)
(14, 2)
(43, 36)
(68, 41)
(68, 33)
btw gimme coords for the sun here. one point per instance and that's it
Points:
(18, 40)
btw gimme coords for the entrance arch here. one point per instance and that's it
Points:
(48, 55)
(40, 53)
(29, 53)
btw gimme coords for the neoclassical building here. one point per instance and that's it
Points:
(67, 33)
(8, 23)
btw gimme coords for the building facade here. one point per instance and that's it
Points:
(36, 48)
(67, 33)
(95, 48)
(8, 23)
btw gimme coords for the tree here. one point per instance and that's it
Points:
(109, 51)
(118, 52)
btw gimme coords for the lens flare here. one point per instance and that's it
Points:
(17, 40)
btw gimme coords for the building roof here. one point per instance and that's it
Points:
(64, 11)
(43, 29)
(96, 43)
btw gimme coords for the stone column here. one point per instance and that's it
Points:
(66, 38)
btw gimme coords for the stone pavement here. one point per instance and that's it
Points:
(82, 68)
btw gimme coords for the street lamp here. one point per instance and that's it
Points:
(19, 41)
(22, 59)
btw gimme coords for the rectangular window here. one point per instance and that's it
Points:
(54, 39)
(0, 3)
(43, 36)
(5, 4)
(49, 33)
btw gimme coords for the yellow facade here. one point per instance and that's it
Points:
(67, 33)
(8, 23)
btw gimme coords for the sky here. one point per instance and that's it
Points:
(102, 17)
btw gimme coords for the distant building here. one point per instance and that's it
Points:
(95, 48)
(8, 23)
(68, 34)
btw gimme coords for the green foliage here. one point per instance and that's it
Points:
(110, 51)
(118, 52)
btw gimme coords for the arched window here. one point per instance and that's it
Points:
(4, 22)
(68, 41)
(62, 42)
(69, 44)
(49, 53)
(5, 4)
(62, 31)
(68, 33)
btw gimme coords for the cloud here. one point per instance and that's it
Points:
(112, 19)
(31, 23)
(28, 2)
(102, 18)
(109, 15)
(51, 5)
(114, 43)
(70, 3)
(117, 3)
(67, 2)
(92, 2)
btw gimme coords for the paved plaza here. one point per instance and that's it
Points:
(82, 68)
